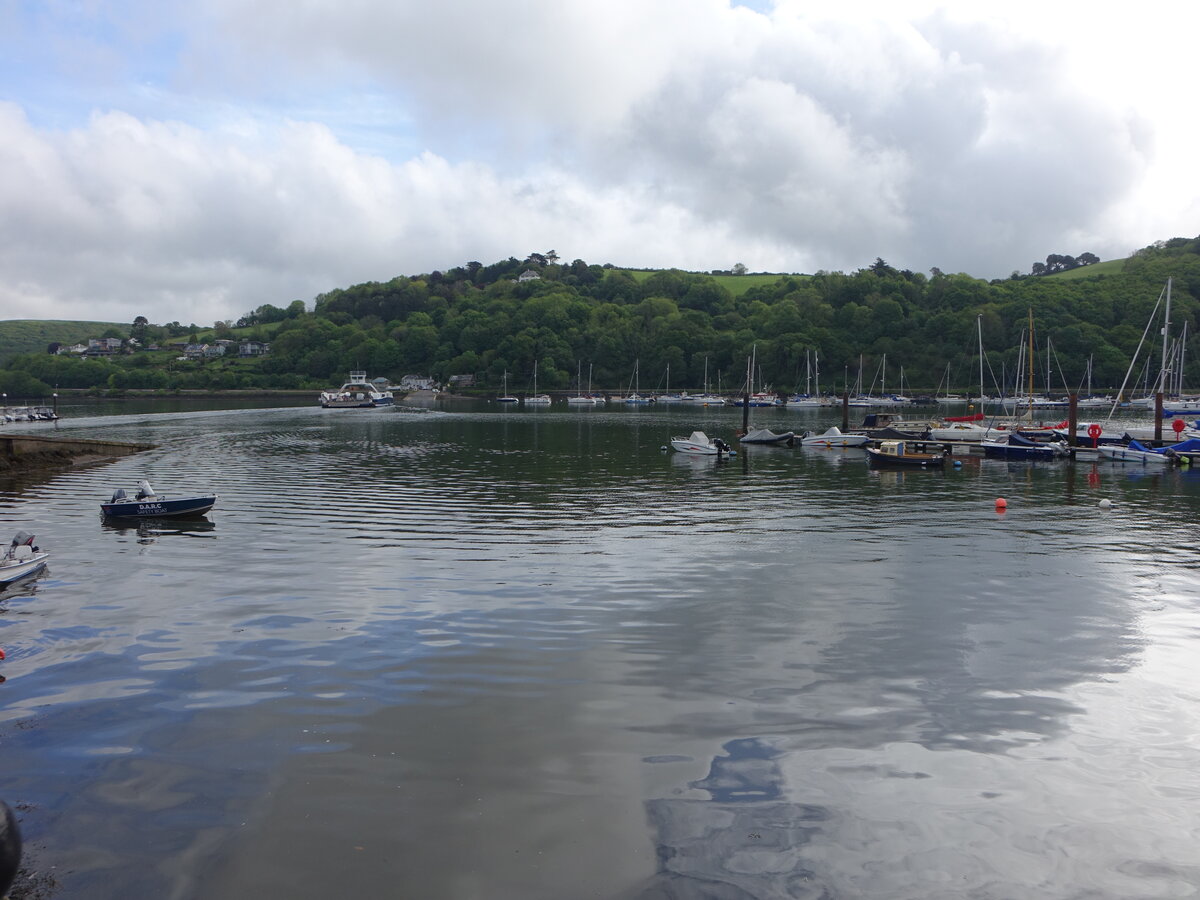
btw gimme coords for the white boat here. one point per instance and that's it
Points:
(357, 393)
(809, 399)
(1133, 453)
(21, 560)
(536, 399)
(699, 444)
(582, 399)
(667, 396)
(705, 399)
(959, 431)
(506, 398)
(833, 437)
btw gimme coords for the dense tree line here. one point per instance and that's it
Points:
(481, 320)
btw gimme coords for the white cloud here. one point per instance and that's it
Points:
(283, 149)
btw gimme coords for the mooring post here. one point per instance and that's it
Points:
(745, 414)
(845, 410)
(1072, 419)
(1158, 414)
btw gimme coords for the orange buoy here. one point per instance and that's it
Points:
(1001, 503)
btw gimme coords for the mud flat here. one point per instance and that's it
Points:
(22, 452)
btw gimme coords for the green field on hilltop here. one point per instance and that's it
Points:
(35, 335)
(1108, 267)
(735, 284)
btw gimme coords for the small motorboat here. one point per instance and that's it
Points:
(21, 560)
(833, 437)
(899, 454)
(149, 505)
(767, 436)
(1017, 446)
(700, 444)
(1136, 453)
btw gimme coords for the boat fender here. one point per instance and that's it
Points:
(958, 463)
(663, 447)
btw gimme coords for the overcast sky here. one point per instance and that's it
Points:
(192, 161)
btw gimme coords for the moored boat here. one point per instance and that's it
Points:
(21, 560)
(1134, 452)
(1017, 446)
(149, 505)
(699, 444)
(767, 436)
(901, 454)
(833, 437)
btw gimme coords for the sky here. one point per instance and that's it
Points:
(192, 161)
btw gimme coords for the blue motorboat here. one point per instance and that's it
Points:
(1017, 446)
(146, 504)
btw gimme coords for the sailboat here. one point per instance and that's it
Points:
(706, 399)
(808, 400)
(636, 399)
(760, 398)
(506, 398)
(537, 399)
(582, 399)
(667, 396)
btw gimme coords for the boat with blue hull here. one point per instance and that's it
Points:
(1017, 446)
(146, 504)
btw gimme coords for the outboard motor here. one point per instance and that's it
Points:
(118, 495)
(721, 445)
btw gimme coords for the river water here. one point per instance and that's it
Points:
(470, 652)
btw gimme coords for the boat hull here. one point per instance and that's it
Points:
(160, 508)
(834, 437)
(14, 571)
(1011, 451)
(880, 460)
(1128, 455)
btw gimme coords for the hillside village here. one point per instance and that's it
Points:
(106, 347)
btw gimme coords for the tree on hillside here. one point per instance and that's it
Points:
(138, 331)
(738, 269)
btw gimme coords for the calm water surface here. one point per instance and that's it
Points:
(481, 653)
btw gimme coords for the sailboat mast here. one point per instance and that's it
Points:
(1166, 366)
(979, 328)
(1029, 397)
(1182, 353)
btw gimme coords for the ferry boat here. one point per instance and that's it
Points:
(357, 393)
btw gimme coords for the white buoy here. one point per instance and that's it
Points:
(1106, 503)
